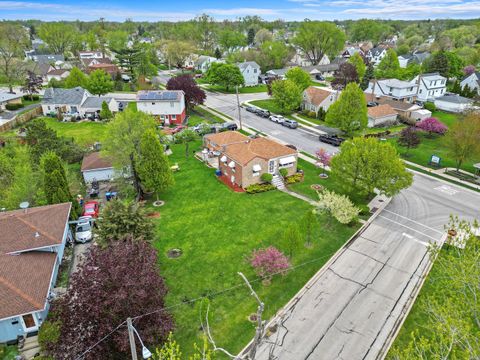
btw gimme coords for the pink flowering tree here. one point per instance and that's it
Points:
(268, 262)
(432, 126)
(323, 160)
(469, 70)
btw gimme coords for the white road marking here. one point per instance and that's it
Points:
(408, 227)
(275, 132)
(446, 189)
(415, 239)
(416, 222)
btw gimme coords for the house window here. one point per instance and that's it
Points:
(153, 103)
(174, 117)
(171, 104)
(48, 107)
(162, 117)
(254, 71)
(420, 91)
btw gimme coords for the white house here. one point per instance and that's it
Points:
(453, 103)
(472, 81)
(277, 73)
(75, 101)
(7, 98)
(190, 61)
(315, 97)
(393, 88)
(167, 105)
(94, 167)
(203, 62)
(404, 60)
(90, 55)
(57, 74)
(430, 86)
(381, 115)
(376, 55)
(250, 71)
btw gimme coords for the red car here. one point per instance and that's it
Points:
(91, 208)
(177, 129)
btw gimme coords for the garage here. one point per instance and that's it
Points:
(95, 167)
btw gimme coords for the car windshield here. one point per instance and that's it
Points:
(83, 227)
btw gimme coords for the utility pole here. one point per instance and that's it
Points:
(239, 108)
(131, 338)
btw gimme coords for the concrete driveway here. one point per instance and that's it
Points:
(350, 309)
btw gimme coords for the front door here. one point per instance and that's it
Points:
(29, 322)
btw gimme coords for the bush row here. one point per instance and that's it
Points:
(294, 178)
(33, 97)
(258, 188)
(13, 106)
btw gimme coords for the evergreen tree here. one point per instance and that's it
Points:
(251, 36)
(152, 164)
(438, 62)
(105, 113)
(218, 53)
(357, 61)
(369, 75)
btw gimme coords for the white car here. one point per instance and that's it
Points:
(83, 230)
(279, 119)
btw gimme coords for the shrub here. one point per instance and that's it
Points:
(13, 106)
(339, 206)
(266, 177)
(321, 114)
(48, 334)
(312, 114)
(430, 106)
(258, 188)
(432, 126)
(283, 172)
(33, 97)
(364, 209)
(294, 178)
(268, 262)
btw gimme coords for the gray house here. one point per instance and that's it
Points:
(250, 71)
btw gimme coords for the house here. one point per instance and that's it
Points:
(90, 55)
(7, 98)
(190, 61)
(398, 90)
(167, 105)
(42, 58)
(75, 101)
(57, 74)
(472, 81)
(32, 242)
(376, 54)
(326, 70)
(453, 103)
(86, 63)
(352, 50)
(110, 69)
(243, 160)
(299, 59)
(417, 57)
(315, 97)
(403, 109)
(203, 63)
(95, 167)
(277, 73)
(381, 115)
(404, 60)
(250, 71)
(430, 86)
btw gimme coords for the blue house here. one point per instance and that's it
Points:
(32, 242)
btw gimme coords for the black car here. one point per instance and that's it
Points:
(372, 104)
(263, 113)
(251, 109)
(331, 139)
(228, 126)
(319, 77)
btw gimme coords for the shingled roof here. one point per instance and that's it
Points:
(380, 111)
(94, 161)
(317, 95)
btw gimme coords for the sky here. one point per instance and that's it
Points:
(163, 10)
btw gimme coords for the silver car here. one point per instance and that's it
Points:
(83, 231)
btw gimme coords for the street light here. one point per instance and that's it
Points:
(146, 354)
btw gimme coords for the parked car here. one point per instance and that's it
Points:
(228, 126)
(91, 208)
(279, 119)
(320, 77)
(331, 139)
(263, 113)
(372, 104)
(204, 128)
(83, 231)
(177, 129)
(292, 124)
(251, 109)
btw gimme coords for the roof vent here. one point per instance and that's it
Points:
(37, 234)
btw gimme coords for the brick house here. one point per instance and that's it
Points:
(167, 105)
(242, 160)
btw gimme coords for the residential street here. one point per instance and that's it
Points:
(349, 310)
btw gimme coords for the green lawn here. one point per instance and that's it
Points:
(311, 177)
(267, 104)
(84, 133)
(241, 90)
(217, 230)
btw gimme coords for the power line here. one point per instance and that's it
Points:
(292, 268)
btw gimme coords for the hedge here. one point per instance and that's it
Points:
(258, 188)
(13, 106)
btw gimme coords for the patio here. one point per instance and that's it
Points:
(210, 158)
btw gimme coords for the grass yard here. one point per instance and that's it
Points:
(311, 177)
(217, 230)
(85, 132)
(267, 104)
(241, 90)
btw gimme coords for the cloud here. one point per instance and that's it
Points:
(242, 11)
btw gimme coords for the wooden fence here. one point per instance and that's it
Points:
(22, 118)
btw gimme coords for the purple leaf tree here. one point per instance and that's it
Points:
(432, 126)
(194, 95)
(469, 70)
(269, 261)
(323, 160)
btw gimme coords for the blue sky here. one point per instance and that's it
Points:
(143, 10)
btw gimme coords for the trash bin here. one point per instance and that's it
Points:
(218, 173)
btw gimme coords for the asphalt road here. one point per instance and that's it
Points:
(303, 139)
(350, 307)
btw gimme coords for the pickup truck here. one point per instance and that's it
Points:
(331, 139)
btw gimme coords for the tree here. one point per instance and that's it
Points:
(33, 83)
(299, 77)
(58, 36)
(339, 206)
(251, 36)
(123, 143)
(286, 95)
(273, 55)
(76, 78)
(99, 82)
(432, 126)
(455, 65)
(262, 36)
(205, 31)
(349, 112)
(225, 75)
(345, 74)
(389, 67)
(292, 237)
(438, 62)
(469, 70)
(268, 262)
(113, 283)
(316, 38)
(369, 75)
(366, 164)
(357, 61)
(13, 41)
(120, 219)
(366, 29)
(177, 52)
(323, 159)
(229, 40)
(218, 53)
(105, 112)
(409, 138)
(463, 139)
(185, 137)
(309, 223)
(152, 164)
(194, 95)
